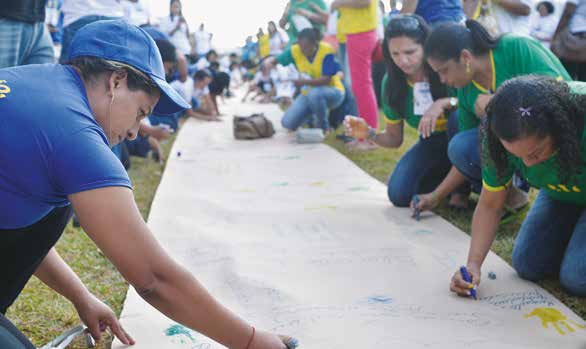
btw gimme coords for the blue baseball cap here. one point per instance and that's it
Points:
(119, 41)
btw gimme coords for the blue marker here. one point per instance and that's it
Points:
(417, 210)
(466, 276)
(292, 343)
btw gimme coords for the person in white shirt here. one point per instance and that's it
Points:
(79, 13)
(176, 27)
(574, 20)
(543, 27)
(203, 41)
(512, 16)
(276, 40)
(136, 12)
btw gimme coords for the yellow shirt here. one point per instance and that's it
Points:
(264, 47)
(314, 68)
(358, 20)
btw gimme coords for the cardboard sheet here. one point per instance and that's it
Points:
(298, 240)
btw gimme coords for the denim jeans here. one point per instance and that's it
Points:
(70, 30)
(343, 59)
(317, 103)
(423, 167)
(464, 153)
(552, 242)
(24, 43)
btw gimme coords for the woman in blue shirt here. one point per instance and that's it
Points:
(55, 156)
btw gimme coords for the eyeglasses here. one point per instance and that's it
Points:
(402, 23)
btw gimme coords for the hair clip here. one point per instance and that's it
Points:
(525, 111)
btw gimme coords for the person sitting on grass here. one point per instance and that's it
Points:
(321, 86)
(535, 125)
(201, 102)
(412, 93)
(113, 79)
(263, 85)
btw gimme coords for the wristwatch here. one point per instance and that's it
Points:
(372, 134)
(453, 102)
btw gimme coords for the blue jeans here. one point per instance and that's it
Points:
(24, 43)
(551, 242)
(464, 153)
(317, 103)
(423, 167)
(70, 30)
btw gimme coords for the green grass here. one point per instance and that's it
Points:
(42, 314)
(379, 163)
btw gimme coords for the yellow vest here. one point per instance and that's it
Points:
(314, 69)
(264, 48)
(358, 20)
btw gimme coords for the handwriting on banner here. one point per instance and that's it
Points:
(519, 300)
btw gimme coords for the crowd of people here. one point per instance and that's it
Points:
(496, 94)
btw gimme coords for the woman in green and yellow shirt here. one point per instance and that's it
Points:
(535, 125)
(468, 58)
(411, 93)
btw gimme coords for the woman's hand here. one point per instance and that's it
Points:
(428, 120)
(460, 286)
(426, 202)
(97, 316)
(355, 127)
(266, 340)
(480, 105)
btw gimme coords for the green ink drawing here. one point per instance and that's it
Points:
(177, 330)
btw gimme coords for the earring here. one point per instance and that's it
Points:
(468, 67)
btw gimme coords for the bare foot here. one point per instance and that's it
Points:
(458, 201)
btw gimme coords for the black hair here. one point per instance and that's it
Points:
(447, 41)
(310, 34)
(396, 88)
(535, 106)
(211, 52)
(167, 50)
(202, 74)
(548, 5)
(170, 4)
(91, 68)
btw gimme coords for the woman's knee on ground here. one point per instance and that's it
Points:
(457, 150)
(399, 194)
(573, 276)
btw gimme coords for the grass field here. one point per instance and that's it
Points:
(42, 314)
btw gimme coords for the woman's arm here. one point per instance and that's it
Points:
(285, 16)
(323, 81)
(409, 6)
(569, 10)
(112, 220)
(56, 274)
(484, 225)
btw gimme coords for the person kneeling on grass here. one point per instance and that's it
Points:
(114, 78)
(535, 125)
(321, 86)
(412, 93)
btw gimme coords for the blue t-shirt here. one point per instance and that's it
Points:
(50, 144)
(437, 11)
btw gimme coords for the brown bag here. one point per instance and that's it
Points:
(569, 46)
(253, 127)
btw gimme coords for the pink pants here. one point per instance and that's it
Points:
(360, 48)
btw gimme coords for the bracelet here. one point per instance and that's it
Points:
(371, 134)
(434, 197)
(251, 338)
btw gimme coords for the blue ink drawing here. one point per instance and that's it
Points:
(379, 300)
(178, 330)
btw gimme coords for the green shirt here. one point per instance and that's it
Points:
(543, 175)
(394, 117)
(304, 4)
(513, 56)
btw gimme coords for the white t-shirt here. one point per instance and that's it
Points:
(75, 9)
(203, 43)
(578, 21)
(543, 28)
(136, 13)
(202, 63)
(509, 23)
(200, 92)
(185, 89)
(179, 37)
(276, 42)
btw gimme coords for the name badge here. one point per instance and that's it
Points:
(422, 98)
